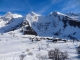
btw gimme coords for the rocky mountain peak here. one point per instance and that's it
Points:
(8, 15)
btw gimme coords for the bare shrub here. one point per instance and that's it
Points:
(41, 57)
(22, 56)
(56, 54)
(39, 46)
(27, 50)
(78, 51)
(47, 45)
(30, 53)
(78, 48)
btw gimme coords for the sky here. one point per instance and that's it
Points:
(43, 7)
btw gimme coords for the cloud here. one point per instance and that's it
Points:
(28, 5)
(47, 7)
(77, 1)
(44, 9)
(56, 1)
(15, 6)
(70, 5)
(39, 6)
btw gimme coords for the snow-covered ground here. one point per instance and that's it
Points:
(13, 46)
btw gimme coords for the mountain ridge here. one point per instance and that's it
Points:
(55, 24)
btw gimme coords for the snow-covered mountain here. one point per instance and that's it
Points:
(7, 17)
(9, 22)
(55, 24)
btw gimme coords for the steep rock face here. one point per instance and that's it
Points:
(26, 29)
(71, 22)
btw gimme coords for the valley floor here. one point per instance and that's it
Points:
(12, 47)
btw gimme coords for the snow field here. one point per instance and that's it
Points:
(12, 47)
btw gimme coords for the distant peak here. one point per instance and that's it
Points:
(34, 14)
(72, 14)
(8, 15)
(56, 13)
(9, 12)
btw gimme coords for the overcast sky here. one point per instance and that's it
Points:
(43, 7)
